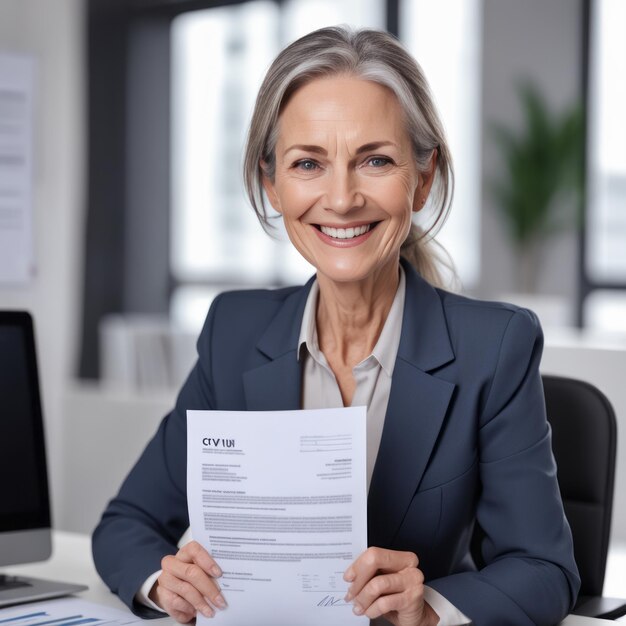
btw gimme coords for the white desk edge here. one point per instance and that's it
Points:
(71, 562)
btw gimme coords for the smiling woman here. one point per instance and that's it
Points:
(394, 110)
(347, 145)
(345, 181)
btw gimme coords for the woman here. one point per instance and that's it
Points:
(347, 146)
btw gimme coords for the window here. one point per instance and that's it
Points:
(606, 234)
(168, 225)
(605, 244)
(606, 311)
(219, 57)
(453, 71)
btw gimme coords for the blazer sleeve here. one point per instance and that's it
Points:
(144, 522)
(530, 577)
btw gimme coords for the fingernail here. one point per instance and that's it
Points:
(348, 597)
(357, 610)
(216, 571)
(349, 575)
(220, 602)
(207, 611)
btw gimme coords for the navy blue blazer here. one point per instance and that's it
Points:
(465, 440)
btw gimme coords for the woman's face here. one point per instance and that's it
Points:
(346, 182)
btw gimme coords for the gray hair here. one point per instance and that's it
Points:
(371, 55)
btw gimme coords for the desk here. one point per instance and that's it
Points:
(71, 562)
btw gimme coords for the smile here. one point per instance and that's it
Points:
(346, 233)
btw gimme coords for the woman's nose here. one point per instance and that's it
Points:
(343, 193)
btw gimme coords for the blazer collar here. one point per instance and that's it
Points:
(423, 309)
(418, 400)
(283, 332)
(425, 341)
(418, 404)
(277, 384)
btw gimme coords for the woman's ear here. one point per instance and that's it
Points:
(270, 188)
(425, 183)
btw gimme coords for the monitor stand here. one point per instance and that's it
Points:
(12, 582)
(19, 589)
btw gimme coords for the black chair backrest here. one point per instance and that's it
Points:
(584, 436)
(584, 440)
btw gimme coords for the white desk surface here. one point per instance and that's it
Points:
(71, 562)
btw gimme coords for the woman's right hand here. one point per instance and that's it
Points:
(187, 584)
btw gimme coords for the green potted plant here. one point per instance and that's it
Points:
(541, 187)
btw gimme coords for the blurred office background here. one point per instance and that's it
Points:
(139, 217)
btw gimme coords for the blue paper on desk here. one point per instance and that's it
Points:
(65, 612)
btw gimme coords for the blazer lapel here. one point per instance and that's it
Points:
(275, 386)
(417, 403)
(417, 406)
(276, 383)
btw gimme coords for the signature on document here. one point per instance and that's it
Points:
(332, 601)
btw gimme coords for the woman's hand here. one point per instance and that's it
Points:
(388, 583)
(187, 584)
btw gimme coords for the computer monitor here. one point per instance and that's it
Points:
(24, 505)
(25, 529)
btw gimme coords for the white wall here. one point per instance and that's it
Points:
(104, 434)
(53, 33)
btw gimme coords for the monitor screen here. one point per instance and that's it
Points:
(24, 501)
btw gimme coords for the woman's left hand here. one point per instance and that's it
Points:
(388, 583)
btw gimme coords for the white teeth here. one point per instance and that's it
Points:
(345, 233)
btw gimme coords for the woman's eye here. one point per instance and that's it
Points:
(379, 161)
(306, 165)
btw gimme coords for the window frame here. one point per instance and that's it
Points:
(587, 285)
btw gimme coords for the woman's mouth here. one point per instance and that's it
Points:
(345, 237)
(347, 233)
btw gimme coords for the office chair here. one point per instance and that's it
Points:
(584, 441)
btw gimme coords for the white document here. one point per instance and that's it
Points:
(279, 500)
(66, 612)
(16, 177)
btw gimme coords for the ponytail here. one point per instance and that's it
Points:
(429, 258)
